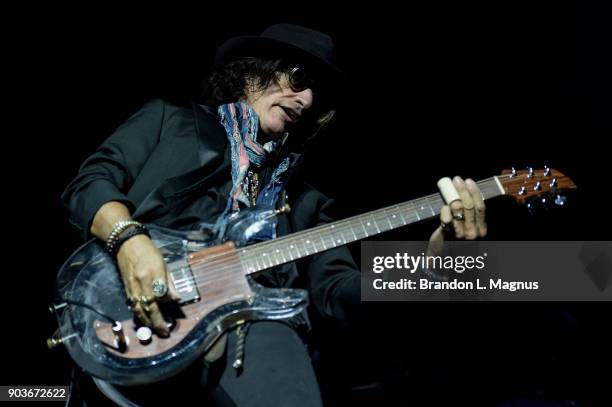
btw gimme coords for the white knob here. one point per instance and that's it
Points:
(144, 334)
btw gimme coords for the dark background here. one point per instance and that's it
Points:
(437, 90)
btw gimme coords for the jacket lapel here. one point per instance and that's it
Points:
(214, 164)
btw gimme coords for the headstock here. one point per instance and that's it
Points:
(530, 183)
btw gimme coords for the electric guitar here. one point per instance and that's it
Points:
(215, 283)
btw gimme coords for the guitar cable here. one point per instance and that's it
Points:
(58, 304)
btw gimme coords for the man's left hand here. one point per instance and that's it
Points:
(464, 218)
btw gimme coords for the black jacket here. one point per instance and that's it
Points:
(165, 159)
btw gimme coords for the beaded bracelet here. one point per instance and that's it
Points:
(126, 235)
(118, 228)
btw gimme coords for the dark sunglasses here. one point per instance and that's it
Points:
(300, 79)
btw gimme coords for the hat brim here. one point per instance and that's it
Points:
(255, 46)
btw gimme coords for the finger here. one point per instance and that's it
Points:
(174, 294)
(133, 291)
(153, 312)
(479, 207)
(146, 274)
(469, 223)
(456, 208)
(140, 313)
(436, 241)
(446, 221)
(446, 216)
(158, 321)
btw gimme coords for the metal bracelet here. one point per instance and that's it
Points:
(118, 228)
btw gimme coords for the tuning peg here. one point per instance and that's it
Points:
(537, 186)
(513, 173)
(54, 342)
(546, 171)
(531, 208)
(560, 200)
(553, 183)
(529, 172)
(53, 308)
(546, 202)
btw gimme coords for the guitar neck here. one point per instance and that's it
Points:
(295, 246)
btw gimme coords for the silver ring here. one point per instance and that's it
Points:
(159, 288)
(458, 216)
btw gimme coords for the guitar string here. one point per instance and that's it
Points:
(204, 268)
(209, 264)
(210, 267)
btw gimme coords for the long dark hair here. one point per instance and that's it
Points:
(228, 83)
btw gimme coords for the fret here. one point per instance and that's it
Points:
(258, 266)
(400, 210)
(261, 259)
(270, 259)
(293, 247)
(264, 258)
(413, 216)
(296, 245)
(383, 221)
(365, 232)
(358, 232)
(423, 211)
(395, 220)
(339, 239)
(305, 247)
(288, 248)
(323, 243)
(250, 266)
(388, 219)
(330, 239)
(355, 238)
(373, 222)
(314, 246)
(332, 235)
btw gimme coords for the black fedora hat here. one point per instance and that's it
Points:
(311, 47)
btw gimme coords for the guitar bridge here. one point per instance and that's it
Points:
(184, 281)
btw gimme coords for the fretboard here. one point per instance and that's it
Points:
(295, 246)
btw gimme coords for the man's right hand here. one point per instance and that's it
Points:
(140, 263)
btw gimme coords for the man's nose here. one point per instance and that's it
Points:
(305, 98)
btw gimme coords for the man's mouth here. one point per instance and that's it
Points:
(291, 114)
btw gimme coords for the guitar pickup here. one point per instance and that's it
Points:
(184, 281)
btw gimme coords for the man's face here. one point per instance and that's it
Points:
(279, 106)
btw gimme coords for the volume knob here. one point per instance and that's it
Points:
(144, 334)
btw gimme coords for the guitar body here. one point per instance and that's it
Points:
(216, 294)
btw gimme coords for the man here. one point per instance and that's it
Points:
(196, 167)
